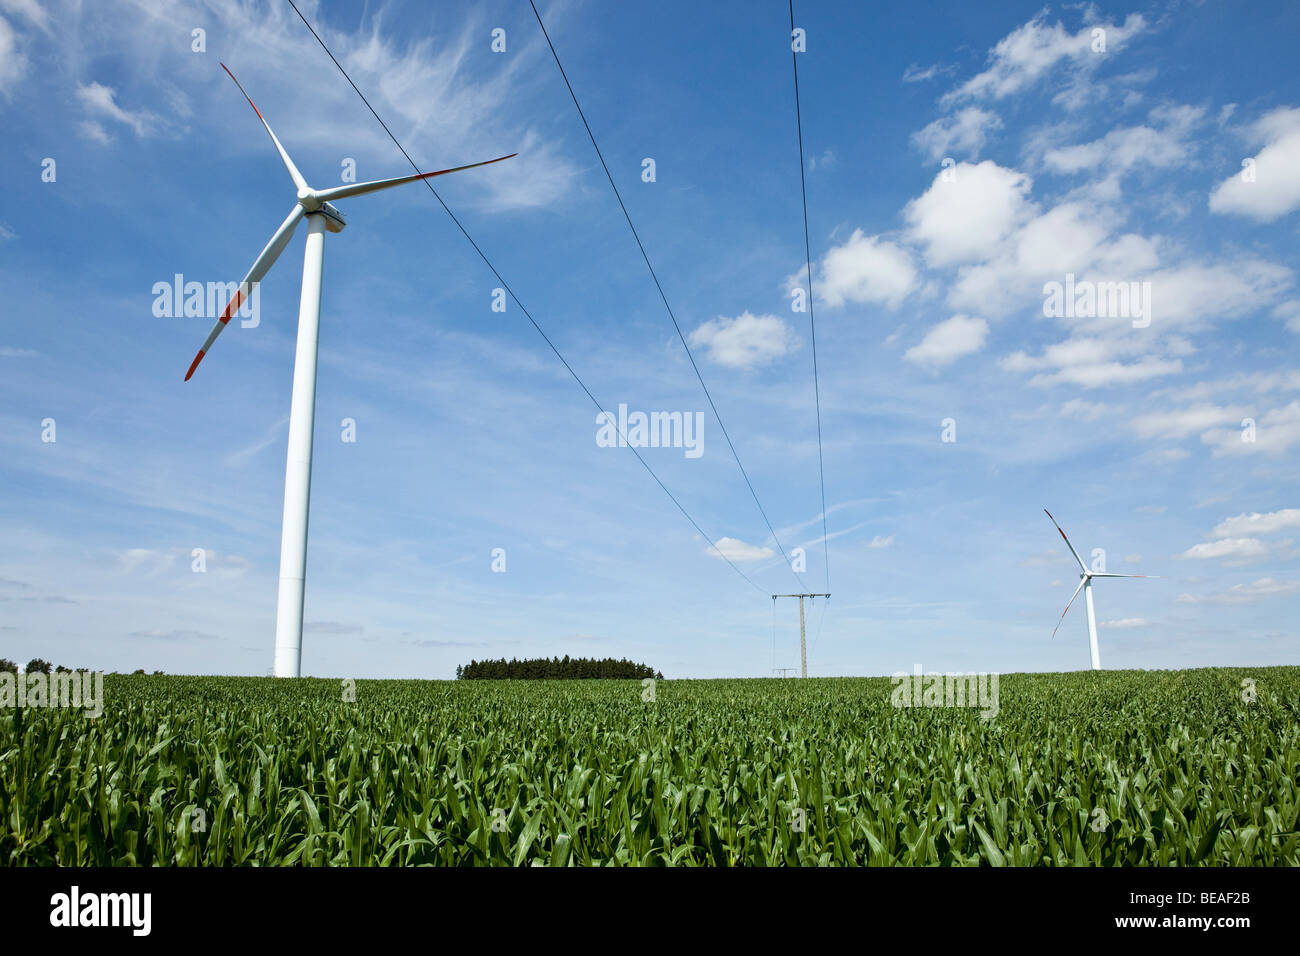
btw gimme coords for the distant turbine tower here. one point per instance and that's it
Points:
(1085, 585)
(316, 206)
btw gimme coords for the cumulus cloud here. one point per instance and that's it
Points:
(1195, 294)
(1160, 145)
(745, 341)
(1272, 188)
(949, 341)
(1255, 523)
(967, 212)
(964, 132)
(866, 269)
(1227, 548)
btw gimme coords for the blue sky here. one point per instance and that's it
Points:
(1122, 165)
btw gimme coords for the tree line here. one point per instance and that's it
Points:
(556, 668)
(38, 666)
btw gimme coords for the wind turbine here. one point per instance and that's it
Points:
(1085, 585)
(317, 207)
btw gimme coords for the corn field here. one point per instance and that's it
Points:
(1106, 769)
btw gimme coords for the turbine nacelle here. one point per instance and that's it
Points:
(311, 202)
(334, 220)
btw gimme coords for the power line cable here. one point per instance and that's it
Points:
(662, 295)
(812, 321)
(522, 308)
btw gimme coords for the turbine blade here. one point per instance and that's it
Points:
(1082, 567)
(296, 176)
(359, 189)
(1067, 607)
(1103, 574)
(261, 266)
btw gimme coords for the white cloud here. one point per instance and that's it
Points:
(1227, 548)
(965, 218)
(1092, 363)
(1245, 593)
(1124, 622)
(1029, 52)
(144, 561)
(1162, 145)
(1103, 374)
(100, 101)
(1275, 431)
(95, 131)
(1255, 383)
(1275, 190)
(1289, 312)
(29, 10)
(949, 341)
(13, 65)
(1256, 523)
(880, 542)
(746, 341)
(1192, 295)
(866, 269)
(914, 74)
(736, 550)
(1182, 422)
(1069, 238)
(964, 132)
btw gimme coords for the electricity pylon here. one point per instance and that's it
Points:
(803, 642)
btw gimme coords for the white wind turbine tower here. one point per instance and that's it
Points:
(1085, 585)
(316, 206)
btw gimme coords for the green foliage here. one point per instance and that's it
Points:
(566, 668)
(239, 771)
(36, 665)
(7, 666)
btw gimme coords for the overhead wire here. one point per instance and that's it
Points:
(812, 320)
(662, 295)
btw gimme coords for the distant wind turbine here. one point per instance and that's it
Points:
(1085, 585)
(316, 206)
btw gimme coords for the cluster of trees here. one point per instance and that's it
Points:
(38, 666)
(34, 666)
(557, 668)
